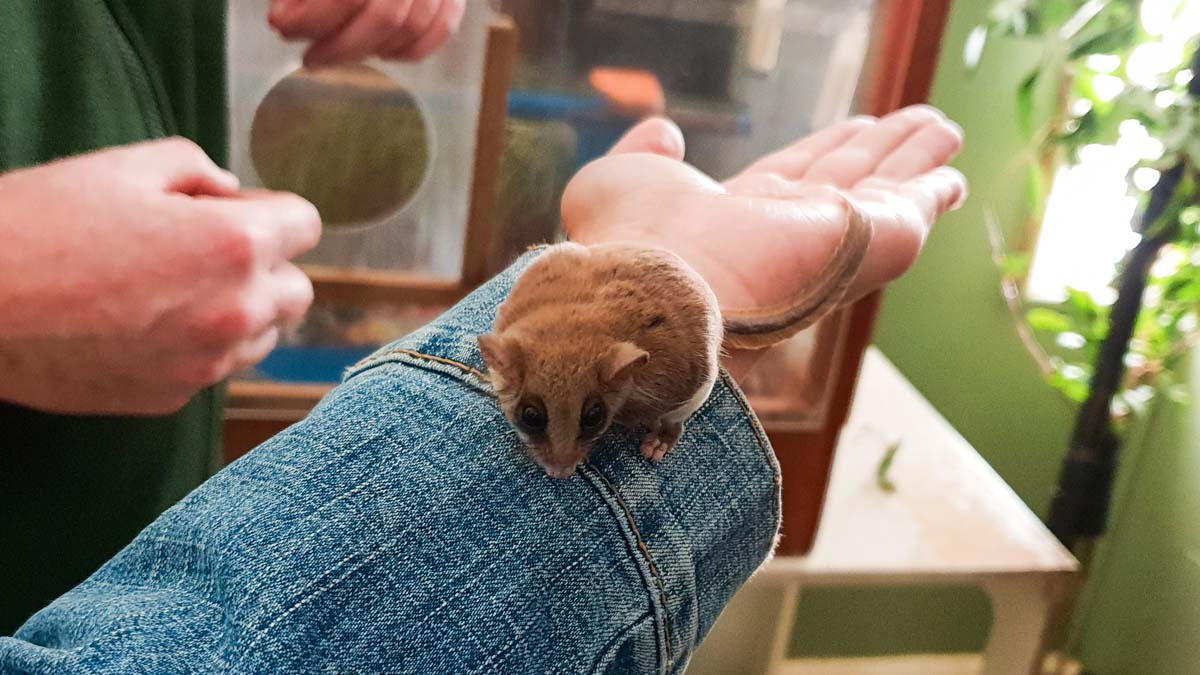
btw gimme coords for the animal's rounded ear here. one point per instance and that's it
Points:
(620, 362)
(503, 357)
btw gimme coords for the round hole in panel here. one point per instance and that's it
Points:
(350, 140)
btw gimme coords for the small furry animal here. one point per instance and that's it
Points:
(626, 333)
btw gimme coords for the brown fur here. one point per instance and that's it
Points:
(636, 328)
(579, 314)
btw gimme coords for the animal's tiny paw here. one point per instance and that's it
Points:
(654, 448)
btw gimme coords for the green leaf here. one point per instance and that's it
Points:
(1102, 41)
(1048, 320)
(1054, 13)
(881, 472)
(1025, 101)
(1072, 389)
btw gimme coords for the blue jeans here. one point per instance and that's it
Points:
(400, 528)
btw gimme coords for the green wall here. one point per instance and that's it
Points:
(946, 328)
(1141, 612)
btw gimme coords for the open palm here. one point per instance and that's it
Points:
(760, 236)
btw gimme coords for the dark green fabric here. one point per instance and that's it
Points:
(77, 75)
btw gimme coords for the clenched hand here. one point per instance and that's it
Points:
(134, 277)
(346, 31)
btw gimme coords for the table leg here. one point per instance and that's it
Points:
(752, 635)
(1020, 613)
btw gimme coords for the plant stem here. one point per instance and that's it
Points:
(1080, 506)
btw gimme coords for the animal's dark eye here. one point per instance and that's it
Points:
(533, 417)
(593, 416)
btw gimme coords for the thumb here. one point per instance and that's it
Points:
(179, 165)
(656, 135)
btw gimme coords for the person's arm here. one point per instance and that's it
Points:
(401, 527)
(132, 278)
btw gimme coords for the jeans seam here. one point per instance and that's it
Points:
(615, 643)
(471, 376)
(639, 545)
(438, 359)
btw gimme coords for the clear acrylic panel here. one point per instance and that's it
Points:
(385, 150)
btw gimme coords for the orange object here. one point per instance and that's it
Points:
(630, 90)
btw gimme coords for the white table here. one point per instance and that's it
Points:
(950, 520)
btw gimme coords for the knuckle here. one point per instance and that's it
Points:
(302, 290)
(221, 326)
(232, 323)
(287, 29)
(388, 16)
(236, 246)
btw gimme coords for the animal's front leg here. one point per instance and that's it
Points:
(661, 439)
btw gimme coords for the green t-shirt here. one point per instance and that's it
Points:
(77, 75)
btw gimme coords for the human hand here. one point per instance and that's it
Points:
(762, 235)
(134, 277)
(345, 31)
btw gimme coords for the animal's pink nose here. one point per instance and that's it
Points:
(561, 471)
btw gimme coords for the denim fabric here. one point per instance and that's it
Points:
(400, 528)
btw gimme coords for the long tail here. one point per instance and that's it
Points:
(761, 328)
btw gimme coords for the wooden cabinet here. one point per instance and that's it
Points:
(743, 78)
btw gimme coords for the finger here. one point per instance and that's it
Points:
(293, 293)
(278, 226)
(927, 149)
(376, 22)
(794, 160)
(934, 192)
(420, 19)
(858, 158)
(251, 352)
(311, 19)
(903, 215)
(899, 232)
(444, 26)
(656, 135)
